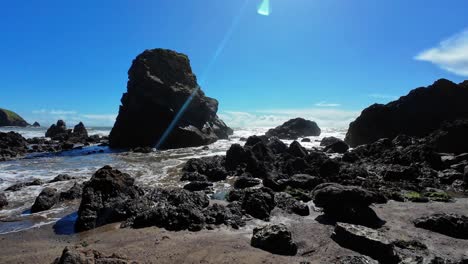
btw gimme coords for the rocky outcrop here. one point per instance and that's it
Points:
(365, 241)
(79, 131)
(77, 255)
(10, 118)
(12, 145)
(448, 224)
(419, 113)
(46, 199)
(36, 124)
(161, 87)
(60, 132)
(276, 239)
(57, 130)
(295, 128)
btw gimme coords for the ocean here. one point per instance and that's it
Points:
(159, 168)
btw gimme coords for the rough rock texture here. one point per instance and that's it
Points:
(46, 199)
(355, 260)
(105, 199)
(295, 128)
(10, 118)
(419, 113)
(276, 239)
(73, 193)
(21, 185)
(160, 82)
(3, 200)
(365, 241)
(57, 130)
(79, 131)
(347, 204)
(12, 145)
(87, 256)
(448, 224)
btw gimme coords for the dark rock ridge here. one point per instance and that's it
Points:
(276, 239)
(159, 84)
(448, 224)
(10, 118)
(419, 113)
(295, 128)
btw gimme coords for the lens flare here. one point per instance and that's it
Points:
(264, 9)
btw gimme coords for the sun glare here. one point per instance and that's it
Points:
(264, 9)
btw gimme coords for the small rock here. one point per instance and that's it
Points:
(246, 182)
(197, 186)
(62, 177)
(306, 140)
(452, 225)
(46, 199)
(276, 239)
(304, 181)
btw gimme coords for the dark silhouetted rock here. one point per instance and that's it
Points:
(448, 224)
(289, 204)
(86, 255)
(105, 199)
(12, 145)
(197, 186)
(451, 137)
(212, 167)
(256, 202)
(337, 147)
(246, 182)
(276, 145)
(58, 130)
(160, 83)
(419, 113)
(235, 156)
(304, 181)
(62, 177)
(79, 131)
(276, 239)
(305, 140)
(295, 128)
(36, 124)
(73, 193)
(46, 199)
(347, 204)
(10, 118)
(365, 241)
(229, 215)
(326, 141)
(297, 150)
(3, 200)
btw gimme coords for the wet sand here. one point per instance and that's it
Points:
(155, 245)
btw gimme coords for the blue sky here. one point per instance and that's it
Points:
(322, 59)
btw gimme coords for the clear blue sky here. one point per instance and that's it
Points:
(69, 59)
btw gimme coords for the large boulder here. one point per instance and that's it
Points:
(419, 113)
(12, 145)
(106, 198)
(448, 224)
(276, 239)
(10, 118)
(46, 199)
(161, 88)
(295, 128)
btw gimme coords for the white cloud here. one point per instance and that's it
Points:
(383, 96)
(325, 118)
(451, 54)
(326, 104)
(46, 117)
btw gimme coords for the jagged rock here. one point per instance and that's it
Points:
(73, 193)
(230, 215)
(416, 114)
(295, 128)
(297, 150)
(79, 133)
(304, 181)
(21, 185)
(160, 83)
(448, 224)
(105, 199)
(256, 202)
(46, 199)
(12, 145)
(36, 124)
(337, 147)
(246, 182)
(144, 150)
(212, 167)
(288, 203)
(84, 256)
(58, 130)
(10, 118)
(365, 241)
(3, 200)
(276, 239)
(347, 204)
(62, 177)
(197, 186)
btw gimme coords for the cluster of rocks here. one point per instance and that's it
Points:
(59, 131)
(161, 84)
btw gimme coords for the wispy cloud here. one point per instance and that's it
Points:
(71, 117)
(383, 96)
(326, 104)
(327, 118)
(450, 54)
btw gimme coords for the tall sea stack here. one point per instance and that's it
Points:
(160, 82)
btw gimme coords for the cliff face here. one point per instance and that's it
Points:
(160, 83)
(419, 113)
(10, 118)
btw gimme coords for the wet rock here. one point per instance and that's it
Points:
(253, 140)
(276, 239)
(289, 204)
(46, 199)
(198, 186)
(276, 182)
(10, 118)
(246, 182)
(212, 167)
(106, 198)
(294, 129)
(62, 177)
(365, 241)
(337, 147)
(160, 82)
(276, 145)
(19, 186)
(416, 114)
(81, 256)
(3, 200)
(448, 224)
(73, 193)
(296, 150)
(347, 204)
(230, 215)
(12, 145)
(449, 176)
